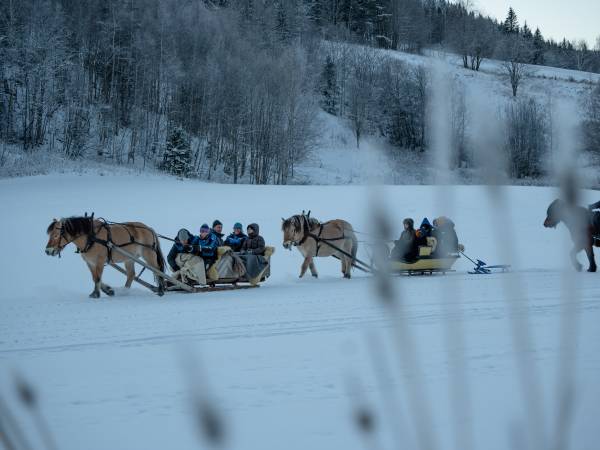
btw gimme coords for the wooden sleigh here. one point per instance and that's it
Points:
(428, 262)
(214, 283)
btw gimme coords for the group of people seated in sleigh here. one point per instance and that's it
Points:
(439, 240)
(208, 258)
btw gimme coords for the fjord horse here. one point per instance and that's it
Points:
(581, 226)
(310, 237)
(91, 237)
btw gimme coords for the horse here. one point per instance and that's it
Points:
(311, 237)
(580, 222)
(91, 237)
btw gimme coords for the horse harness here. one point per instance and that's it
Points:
(317, 237)
(93, 239)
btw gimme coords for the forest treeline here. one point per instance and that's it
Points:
(233, 89)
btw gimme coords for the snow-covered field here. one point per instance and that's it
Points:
(287, 363)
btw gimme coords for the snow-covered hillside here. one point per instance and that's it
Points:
(337, 160)
(287, 363)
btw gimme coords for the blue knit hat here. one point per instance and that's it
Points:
(425, 223)
(204, 227)
(238, 226)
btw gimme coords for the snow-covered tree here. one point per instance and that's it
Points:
(178, 156)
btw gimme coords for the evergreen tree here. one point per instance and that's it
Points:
(538, 48)
(511, 24)
(328, 87)
(527, 32)
(178, 156)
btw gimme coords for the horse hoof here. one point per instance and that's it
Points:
(347, 276)
(315, 275)
(108, 290)
(95, 294)
(578, 268)
(592, 269)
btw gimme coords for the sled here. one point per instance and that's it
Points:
(214, 282)
(427, 263)
(481, 268)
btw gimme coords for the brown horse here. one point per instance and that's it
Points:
(311, 237)
(91, 236)
(581, 225)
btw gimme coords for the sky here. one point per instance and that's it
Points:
(573, 19)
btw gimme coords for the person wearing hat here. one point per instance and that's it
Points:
(236, 239)
(406, 248)
(424, 232)
(185, 242)
(217, 229)
(209, 242)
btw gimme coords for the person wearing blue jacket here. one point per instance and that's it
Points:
(185, 242)
(208, 243)
(236, 239)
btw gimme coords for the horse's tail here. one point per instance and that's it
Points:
(160, 259)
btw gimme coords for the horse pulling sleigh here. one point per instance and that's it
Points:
(103, 243)
(337, 238)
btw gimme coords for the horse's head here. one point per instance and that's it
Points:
(64, 231)
(56, 238)
(293, 231)
(554, 214)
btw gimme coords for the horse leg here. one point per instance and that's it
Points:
(576, 263)
(313, 269)
(151, 257)
(305, 265)
(103, 287)
(589, 250)
(96, 292)
(129, 267)
(347, 267)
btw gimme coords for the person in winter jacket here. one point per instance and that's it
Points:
(208, 242)
(255, 244)
(424, 232)
(217, 229)
(406, 248)
(237, 238)
(185, 242)
(444, 232)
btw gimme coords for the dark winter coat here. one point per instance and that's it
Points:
(208, 247)
(447, 240)
(178, 247)
(235, 241)
(255, 244)
(219, 237)
(406, 248)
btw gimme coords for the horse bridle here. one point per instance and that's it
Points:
(60, 238)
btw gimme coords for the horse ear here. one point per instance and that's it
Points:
(308, 215)
(282, 219)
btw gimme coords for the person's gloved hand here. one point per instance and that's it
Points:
(196, 249)
(187, 248)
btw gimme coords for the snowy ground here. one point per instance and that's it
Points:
(287, 363)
